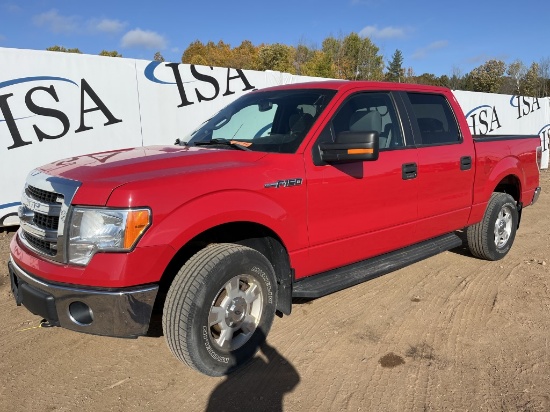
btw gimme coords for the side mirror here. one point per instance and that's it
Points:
(351, 147)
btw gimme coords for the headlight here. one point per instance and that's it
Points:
(113, 230)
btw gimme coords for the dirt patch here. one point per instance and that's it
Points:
(462, 334)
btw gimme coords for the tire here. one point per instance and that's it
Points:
(492, 238)
(219, 308)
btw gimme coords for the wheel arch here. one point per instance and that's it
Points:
(511, 185)
(250, 234)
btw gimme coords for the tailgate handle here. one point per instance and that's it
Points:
(465, 163)
(409, 171)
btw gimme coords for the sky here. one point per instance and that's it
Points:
(438, 37)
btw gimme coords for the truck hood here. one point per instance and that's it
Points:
(101, 173)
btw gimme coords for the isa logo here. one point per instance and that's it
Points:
(525, 105)
(43, 103)
(483, 120)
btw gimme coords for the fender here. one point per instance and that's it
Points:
(485, 185)
(228, 206)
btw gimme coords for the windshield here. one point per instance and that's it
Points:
(272, 121)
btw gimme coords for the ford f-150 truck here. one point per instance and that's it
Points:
(292, 191)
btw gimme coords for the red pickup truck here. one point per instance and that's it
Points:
(292, 191)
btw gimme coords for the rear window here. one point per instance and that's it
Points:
(435, 119)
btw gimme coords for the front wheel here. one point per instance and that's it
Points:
(492, 238)
(220, 308)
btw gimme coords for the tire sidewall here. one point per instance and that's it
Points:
(208, 356)
(500, 202)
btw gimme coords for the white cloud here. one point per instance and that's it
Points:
(143, 39)
(385, 33)
(423, 52)
(107, 25)
(55, 22)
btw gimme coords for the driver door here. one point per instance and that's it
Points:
(361, 209)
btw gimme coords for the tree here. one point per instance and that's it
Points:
(244, 56)
(275, 57)
(158, 57)
(113, 53)
(516, 70)
(354, 57)
(428, 78)
(319, 65)
(456, 80)
(333, 48)
(63, 49)
(544, 76)
(218, 55)
(360, 59)
(395, 72)
(488, 77)
(194, 51)
(531, 83)
(302, 55)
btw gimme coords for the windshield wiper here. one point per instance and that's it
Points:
(224, 142)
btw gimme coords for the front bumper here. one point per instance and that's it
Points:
(118, 312)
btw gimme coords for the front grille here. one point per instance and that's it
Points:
(43, 195)
(44, 204)
(45, 221)
(40, 244)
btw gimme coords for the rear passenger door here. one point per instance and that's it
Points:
(446, 164)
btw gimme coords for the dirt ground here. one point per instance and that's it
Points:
(449, 333)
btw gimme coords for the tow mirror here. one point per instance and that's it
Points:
(351, 147)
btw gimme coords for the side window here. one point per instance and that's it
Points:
(364, 112)
(435, 119)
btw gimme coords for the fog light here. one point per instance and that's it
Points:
(81, 314)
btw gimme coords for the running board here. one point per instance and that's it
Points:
(337, 279)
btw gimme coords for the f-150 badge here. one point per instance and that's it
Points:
(285, 183)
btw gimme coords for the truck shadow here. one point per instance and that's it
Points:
(258, 386)
(462, 249)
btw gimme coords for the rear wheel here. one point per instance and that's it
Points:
(220, 308)
(493, 237)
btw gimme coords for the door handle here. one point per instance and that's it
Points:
(465, 163)
(409, 171)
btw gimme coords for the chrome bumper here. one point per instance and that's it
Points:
(123, 312)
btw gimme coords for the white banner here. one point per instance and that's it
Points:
(58, 105)
(492, 114)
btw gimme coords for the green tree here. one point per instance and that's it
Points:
(63, 49)
(275, 57)
(395, 72)
(429, 79)
(354, 57)
(333, 48)
(488, 77)
(319, 65)
(113, 53)
(361, 59)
